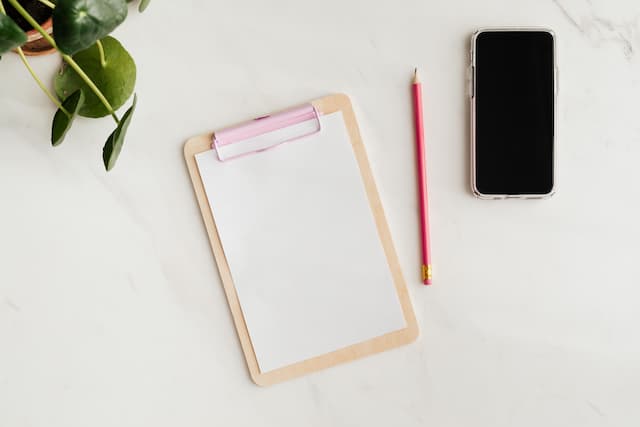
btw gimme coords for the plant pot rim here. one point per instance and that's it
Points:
(47, 26)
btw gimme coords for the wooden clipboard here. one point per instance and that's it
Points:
(326, 105)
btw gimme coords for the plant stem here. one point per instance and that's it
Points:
(68, 59)
(47, 3)
(103, 60)
(39, 82)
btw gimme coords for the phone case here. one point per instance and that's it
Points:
(472, 98)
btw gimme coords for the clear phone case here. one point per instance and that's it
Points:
(472, 98)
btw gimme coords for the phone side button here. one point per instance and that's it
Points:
(472, 82)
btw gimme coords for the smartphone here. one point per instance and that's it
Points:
(513, 113)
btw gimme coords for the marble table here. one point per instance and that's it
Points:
(111, 308)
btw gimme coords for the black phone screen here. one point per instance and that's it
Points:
(514, 112)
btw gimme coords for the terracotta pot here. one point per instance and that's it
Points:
(36, 44)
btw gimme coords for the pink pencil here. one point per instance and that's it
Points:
(422, 179)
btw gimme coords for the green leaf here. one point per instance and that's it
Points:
(113, 146)
(78, 24)
(116, 80)
(61, 122)
(143, 5)
(11, 35)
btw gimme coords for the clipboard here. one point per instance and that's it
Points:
(213, 141)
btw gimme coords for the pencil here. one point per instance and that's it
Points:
(422, 179)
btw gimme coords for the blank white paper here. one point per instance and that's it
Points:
(303, 249)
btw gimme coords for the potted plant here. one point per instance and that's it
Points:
(98, 74)
(36, 44)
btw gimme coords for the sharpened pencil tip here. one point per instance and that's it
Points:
(416, 78)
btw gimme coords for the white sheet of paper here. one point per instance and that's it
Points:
(303, 249)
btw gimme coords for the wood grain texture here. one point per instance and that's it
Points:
(326, 105)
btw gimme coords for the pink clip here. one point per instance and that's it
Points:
(222, 140)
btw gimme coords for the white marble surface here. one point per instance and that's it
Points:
(111, 309)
